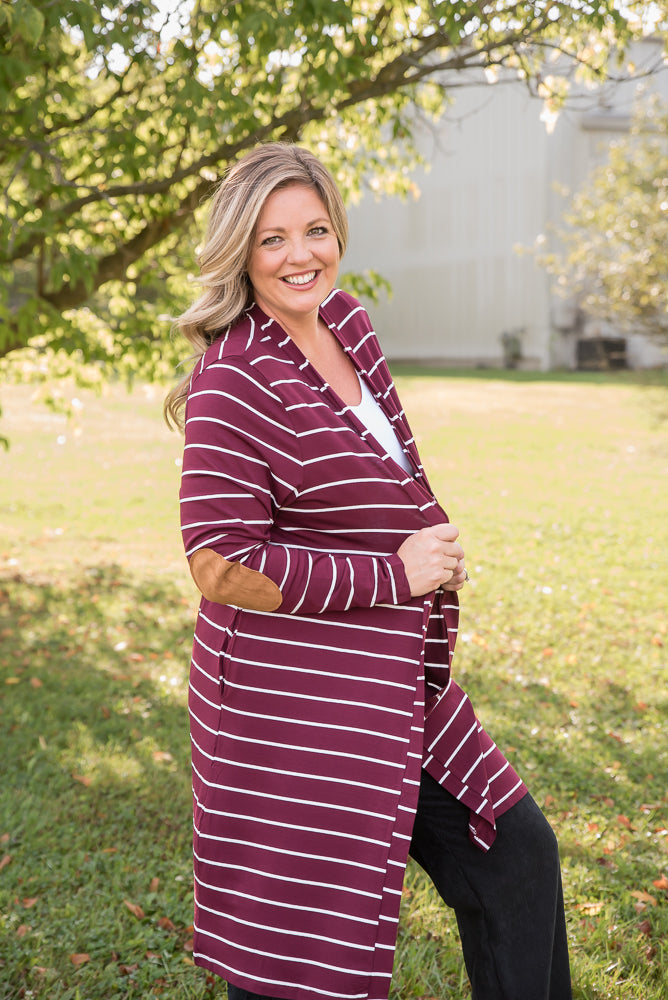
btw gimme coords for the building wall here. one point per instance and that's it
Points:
(451, 256)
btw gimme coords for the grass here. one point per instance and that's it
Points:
(559, 488)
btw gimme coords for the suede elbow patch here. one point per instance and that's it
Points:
(225, 582)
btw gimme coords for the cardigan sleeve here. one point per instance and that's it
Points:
(241, 463)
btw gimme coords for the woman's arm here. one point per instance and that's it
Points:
(241, 463)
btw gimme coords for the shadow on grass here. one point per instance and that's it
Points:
(95, 809)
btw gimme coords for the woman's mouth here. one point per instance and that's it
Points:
(299, 279)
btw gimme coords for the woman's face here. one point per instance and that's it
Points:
(294, 258)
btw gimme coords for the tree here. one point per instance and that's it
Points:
(118, 116)
(614, 238)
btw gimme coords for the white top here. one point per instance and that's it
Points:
(373, 418)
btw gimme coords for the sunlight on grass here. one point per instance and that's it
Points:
(559, 490)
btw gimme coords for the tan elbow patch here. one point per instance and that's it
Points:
(226, 582)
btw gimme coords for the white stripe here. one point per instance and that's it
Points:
(239, 371)
(449, 722)
(355, 863)
(461, 743)
(332, 649)
(333, 585)
(287, 906)
(322, 725)
(508, 794)
(318, 699)
(269, 954)
(237, 430)
(304, 749)
(315, 672)
(287, 878)
(280, 930)
(308, 580)
(259, 821)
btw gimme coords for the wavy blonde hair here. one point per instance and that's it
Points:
(235, 209)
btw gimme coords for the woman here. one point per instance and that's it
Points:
(327, 736)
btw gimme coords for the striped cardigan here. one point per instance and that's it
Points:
(310, 723)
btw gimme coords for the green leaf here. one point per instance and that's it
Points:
(28, 22)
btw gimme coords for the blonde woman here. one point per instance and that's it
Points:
(328, 738)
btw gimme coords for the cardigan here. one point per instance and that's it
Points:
(318, 686)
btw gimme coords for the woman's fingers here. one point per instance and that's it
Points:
(431, 557)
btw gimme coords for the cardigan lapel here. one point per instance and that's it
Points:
(416, 483)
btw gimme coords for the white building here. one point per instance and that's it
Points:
(451, 255)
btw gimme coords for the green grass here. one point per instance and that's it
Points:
(559, 488)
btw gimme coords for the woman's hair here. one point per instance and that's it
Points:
(235, 209)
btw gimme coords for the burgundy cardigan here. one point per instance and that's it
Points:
(310, 723)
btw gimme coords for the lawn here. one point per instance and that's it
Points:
(559, 488)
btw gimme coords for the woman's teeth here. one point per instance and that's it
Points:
(300, 279)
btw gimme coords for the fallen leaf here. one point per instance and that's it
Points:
(644, 897)
(35, 682)
(661, 883)
(12, 680)
(161, 755)
(5, 838)
(624, 820)
(27, 903)
(590, 909)
(5, 861)
(127, 970)
(153, 887)
(645, 927)
(166, 924)
(79, 958)
(134, 909)
(22, 930)
(84, 779)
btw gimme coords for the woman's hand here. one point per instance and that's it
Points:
(433, 558)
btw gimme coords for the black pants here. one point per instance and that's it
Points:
(508, 901)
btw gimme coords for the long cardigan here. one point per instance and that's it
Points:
(310, 723)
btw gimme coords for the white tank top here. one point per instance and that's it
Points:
(373, 418)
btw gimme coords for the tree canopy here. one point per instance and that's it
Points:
(613, 257)
(118, 116)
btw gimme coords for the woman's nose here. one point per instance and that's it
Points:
(299, 251)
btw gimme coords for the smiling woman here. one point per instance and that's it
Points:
(292, 267)
(328, 737)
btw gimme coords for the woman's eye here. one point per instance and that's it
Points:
(270, 240)
(318, 231)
